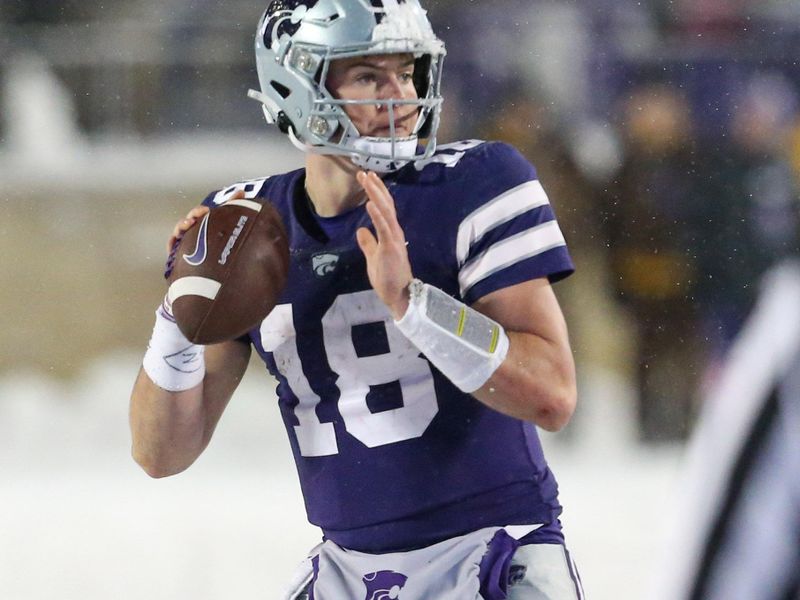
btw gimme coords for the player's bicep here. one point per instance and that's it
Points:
(536, 381)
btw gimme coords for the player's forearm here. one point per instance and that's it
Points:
(536, 382)
(169, 429)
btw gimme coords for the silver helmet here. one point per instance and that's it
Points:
(295, 44)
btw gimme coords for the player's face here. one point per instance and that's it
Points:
(380, 77)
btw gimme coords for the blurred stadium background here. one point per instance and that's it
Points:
(665, 131)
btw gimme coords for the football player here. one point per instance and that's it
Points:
(418, 342)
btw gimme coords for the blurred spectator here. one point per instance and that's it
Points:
(652, 216)
(524, 120)
(571, 160)
(722, 20)
(737, 520)
(736, 532)
(753, 210)
(43, 11)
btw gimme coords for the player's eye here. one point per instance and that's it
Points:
(365, 78)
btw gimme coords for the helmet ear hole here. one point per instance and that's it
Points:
(282, 121)
(426, 128)
(284, 91)
(422, 69)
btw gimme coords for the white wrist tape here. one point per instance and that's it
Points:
(172, 362)
(465, 345)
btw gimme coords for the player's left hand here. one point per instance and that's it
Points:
(388, 267)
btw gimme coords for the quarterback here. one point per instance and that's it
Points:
(417, 343)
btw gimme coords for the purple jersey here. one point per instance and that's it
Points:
(390, 454)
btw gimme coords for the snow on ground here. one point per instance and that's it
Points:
(80, 521)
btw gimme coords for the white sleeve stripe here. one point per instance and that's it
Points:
(510, 251)
(501, 209)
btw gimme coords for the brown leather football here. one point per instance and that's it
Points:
(229, 271)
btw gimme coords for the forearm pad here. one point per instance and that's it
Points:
(465, 345)
(172, 362)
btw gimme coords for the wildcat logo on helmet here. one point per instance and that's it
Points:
(384, 585)
(198, 257)
(285, 19)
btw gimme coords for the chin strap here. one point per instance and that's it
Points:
(371, 150)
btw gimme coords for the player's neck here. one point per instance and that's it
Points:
(331, 184)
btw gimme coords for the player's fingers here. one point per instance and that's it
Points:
(198, 211)
(379, 194)
(387, 204)
(185, 224)
(374, 189)
(191, 218)
(180, 228)
(175, 236)
(366, 241)
(382, 229)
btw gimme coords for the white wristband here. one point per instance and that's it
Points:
(465, 345)
(172, 362)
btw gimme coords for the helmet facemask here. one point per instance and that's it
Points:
(293, 71)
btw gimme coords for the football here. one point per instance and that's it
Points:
(228, 271)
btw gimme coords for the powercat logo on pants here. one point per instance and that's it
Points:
(384, 585)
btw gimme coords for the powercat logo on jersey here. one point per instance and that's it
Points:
(324, 264)
(198, 257)
(384, 585)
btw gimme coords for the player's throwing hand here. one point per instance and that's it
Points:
(388, 267)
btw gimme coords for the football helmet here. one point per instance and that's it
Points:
(295, 44)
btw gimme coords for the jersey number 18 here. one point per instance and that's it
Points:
(355, 376)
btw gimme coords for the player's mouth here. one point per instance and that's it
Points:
(402, 127)
(387, 132)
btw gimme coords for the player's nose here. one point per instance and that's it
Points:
(392, 88)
